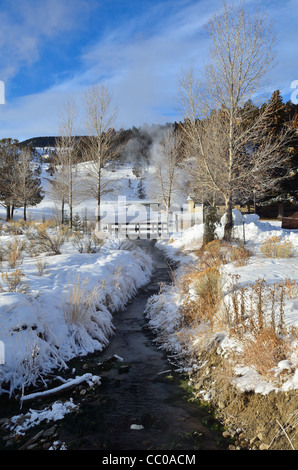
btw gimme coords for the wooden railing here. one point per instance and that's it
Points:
(143, 230)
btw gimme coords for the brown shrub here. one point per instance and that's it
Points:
(264, 350)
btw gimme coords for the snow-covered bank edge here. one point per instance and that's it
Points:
(38, 336)
(242, 398)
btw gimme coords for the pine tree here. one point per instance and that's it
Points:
(278, 120)
(211, 222)
(8, 163)
(28, 190)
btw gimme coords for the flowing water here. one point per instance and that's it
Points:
(142, 404)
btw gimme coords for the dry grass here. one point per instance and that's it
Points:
(18, 227)
(214, 253)
(265, 350)
(41, 240)
(254, 313)
(90, 243)
(240, 255)
(80, 302)
(202, 293)
(256, 306)
(275, 248)
(14, 283)
(15, 250)
(41, 266)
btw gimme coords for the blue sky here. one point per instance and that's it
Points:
(53, 49)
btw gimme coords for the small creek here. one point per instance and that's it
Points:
(139, 387)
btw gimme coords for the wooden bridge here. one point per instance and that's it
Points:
(142, 230)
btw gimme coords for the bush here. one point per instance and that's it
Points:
(14, 282)
(240, 255)
(275, 248)
(213, 253)
(15, 250)
(211, 221)
(87, 243)
(265, 350)
(43, 241)
(202, 295)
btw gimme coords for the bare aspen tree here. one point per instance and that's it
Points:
(58, 185)
(99, 144)
(166, 158)
(68, 151)
(233, 153)
(64, 159)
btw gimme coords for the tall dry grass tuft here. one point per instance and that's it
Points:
(14, 252)
(13, 282)
(80, 302)
(240, 255)
(265, 350)
(214, 253)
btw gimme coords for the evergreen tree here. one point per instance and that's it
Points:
(28, 190)
(8, 164)
(279, 119)
(211, 222)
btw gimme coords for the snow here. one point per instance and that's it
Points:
(19, 424)
(89, 378)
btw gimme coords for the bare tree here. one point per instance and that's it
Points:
(226, 144)
(67, 146)
(166, 158)
(64, 160)
(58, 185)
(99, 144)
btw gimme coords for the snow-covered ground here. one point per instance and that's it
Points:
(163, 311)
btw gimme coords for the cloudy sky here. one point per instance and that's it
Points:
(53, 49)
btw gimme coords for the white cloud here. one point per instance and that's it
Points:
(139, 61)
(27, 25)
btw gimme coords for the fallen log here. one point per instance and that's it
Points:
(91, 379)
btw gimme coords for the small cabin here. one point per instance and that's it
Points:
(290, 222)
